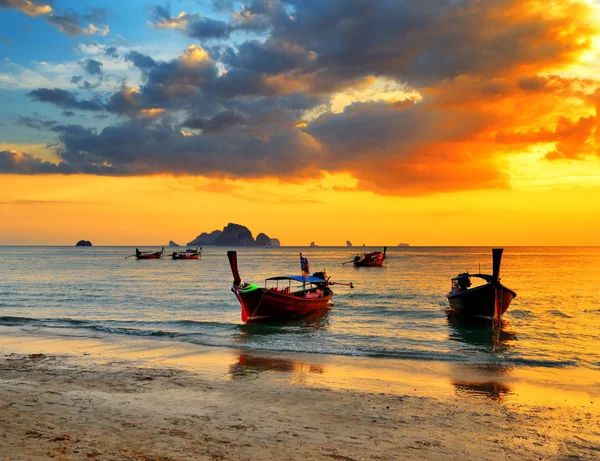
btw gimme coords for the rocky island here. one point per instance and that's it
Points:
(83, 243)
(234, 235)
(173, 244)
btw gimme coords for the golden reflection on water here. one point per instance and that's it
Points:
(526, 386)
(249, 365)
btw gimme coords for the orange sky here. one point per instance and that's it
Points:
(55, 210)
(500, 148)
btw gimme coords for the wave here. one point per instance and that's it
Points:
(558, 313)
(9, 320)
(522, 314)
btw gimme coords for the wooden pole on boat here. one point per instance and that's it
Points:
(496, 260)
(232, 255)
(498, 291)
(351, 285)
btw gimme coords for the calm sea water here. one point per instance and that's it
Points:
(397, 311)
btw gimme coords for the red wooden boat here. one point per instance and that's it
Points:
(190, 253)
(373, 259)
(263, 304)
(489, 301)
(149, 254)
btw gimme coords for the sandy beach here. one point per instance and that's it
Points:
(140, 401)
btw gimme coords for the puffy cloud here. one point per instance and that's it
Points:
(69, 23)
(28, 7)
(74, 24)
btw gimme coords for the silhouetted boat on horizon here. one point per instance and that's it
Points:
(149, 254)
(489, 301)
(190, 253)
(372, 259)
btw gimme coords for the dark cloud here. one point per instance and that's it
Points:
(271, 57)
(111, 51)
(76, 79)
(136, 148)
(13, 162)
(91, 66)
(141, 61)
(64, 99)
(71, 23)
(216, 124)
(201, 27)
(36, 122)
(479, 74)
(177, 79)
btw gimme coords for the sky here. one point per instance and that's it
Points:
(451, 122)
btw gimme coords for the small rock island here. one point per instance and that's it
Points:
(234, 235)
(173, 244)
(83, 243)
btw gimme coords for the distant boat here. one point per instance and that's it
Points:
(190, 253)
(149, 254)
(489, 301)
(264, 304)
(373, 259)
(402, 244)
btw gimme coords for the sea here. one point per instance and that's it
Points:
(397, 311)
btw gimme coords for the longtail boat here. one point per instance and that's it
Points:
(373, 259)
(149, 254)
(489, 301)
(264, 304)
(190, 253)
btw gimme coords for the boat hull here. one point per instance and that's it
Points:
(480, 301)
(186, 256)
(377, 263)
(150, 256)
(261, 304)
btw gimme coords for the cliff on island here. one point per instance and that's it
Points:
(83, 243)
(348, 243)
(173, 244)
(234, 235)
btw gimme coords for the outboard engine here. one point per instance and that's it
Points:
(463, 281)
(321, 275)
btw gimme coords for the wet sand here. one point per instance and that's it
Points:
(72, 398)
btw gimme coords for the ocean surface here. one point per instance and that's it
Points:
(397, 311)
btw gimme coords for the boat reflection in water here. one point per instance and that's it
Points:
(481, 379)
(250, 365)
(484, 380)
(478, 333)
(315, 321)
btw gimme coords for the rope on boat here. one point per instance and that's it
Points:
(260, 301)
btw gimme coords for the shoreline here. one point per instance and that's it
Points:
(577, 386)
(138, 399)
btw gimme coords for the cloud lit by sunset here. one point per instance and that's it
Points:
(373, 121)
